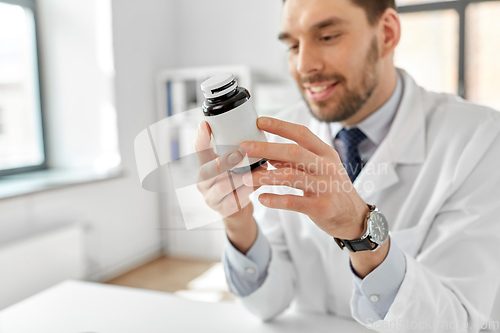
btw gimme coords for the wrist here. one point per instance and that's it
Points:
(241, 221)
(241, 232)
(376, 234)
(365, 262)
(243, 239)
(356, 227)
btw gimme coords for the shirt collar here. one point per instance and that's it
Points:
(377, 125)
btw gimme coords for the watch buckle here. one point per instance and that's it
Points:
(339, 243)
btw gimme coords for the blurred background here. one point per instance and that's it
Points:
(80, 79)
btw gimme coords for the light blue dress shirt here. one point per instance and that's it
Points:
(246, 273)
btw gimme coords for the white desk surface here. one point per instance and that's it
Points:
(85, 307)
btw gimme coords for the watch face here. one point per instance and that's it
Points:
(378, 227)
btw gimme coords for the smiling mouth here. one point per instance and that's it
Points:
(319, 93)
(319, 89)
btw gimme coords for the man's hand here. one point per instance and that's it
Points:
(329, 198)
(314, 167)
(225, 192)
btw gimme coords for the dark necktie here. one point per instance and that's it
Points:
(351, 139)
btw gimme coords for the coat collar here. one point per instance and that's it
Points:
(404, 143)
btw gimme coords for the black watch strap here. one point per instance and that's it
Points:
(355, 244)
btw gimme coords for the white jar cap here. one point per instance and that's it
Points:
(219, 85)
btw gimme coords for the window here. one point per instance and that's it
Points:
(451, 46)
(21, 134)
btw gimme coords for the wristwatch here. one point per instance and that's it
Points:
(377, 232)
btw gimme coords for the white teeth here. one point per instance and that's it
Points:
(318, 89)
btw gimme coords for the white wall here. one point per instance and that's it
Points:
(222, 32)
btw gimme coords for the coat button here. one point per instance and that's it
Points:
(250, 270)
(374, 298)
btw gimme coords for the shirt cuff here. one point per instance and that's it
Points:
(381, 285)
(247, 272)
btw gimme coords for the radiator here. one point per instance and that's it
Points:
(35, 259)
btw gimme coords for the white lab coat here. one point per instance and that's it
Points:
(438, 186)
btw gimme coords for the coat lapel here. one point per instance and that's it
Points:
(404, 144)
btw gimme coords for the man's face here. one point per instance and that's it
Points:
(333, 55)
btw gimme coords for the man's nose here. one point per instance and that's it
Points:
(309, 60)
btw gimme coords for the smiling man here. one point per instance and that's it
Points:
(340, 73)
(382, 202)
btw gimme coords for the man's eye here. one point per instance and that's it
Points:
(293, 48)
(327, 38)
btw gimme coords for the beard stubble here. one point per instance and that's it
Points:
(353, 100)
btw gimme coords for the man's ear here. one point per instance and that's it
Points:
(389, 31)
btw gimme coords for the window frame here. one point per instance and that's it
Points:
(460, 6)
(31, 4)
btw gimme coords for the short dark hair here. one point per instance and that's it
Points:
(374, 8)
